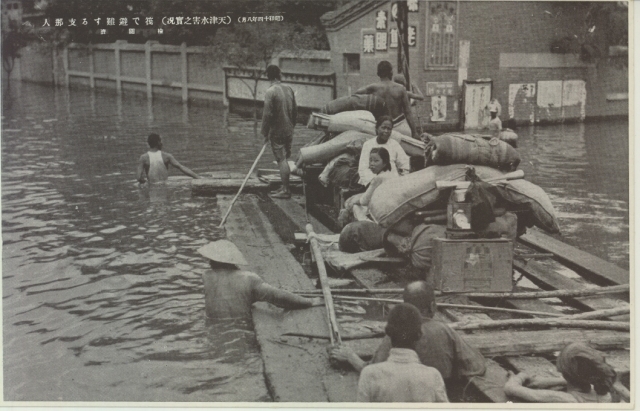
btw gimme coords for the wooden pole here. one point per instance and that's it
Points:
(324, 282)
(547, 322)
(224, 219)
(591, 315)
(556, 293)
(461, 306)
(511, 296)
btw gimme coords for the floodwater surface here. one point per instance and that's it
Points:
(102, 289)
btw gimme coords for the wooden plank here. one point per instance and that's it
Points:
(592, 267)
(295, 368)
(214, 186)
(547, 278)
(512, 343)
(295, 213)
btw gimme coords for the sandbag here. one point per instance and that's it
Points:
(360, 236)
(525, 193)
(332, 148)
(421, 243)
(510, 137)
(368, 102)
(397, 198)
(364, 122)
(455, 148)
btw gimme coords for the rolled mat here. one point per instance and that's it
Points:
(368, 102)
(364, 122)
(525, 193)
(397, 198)
(330, 149)
(455, 148)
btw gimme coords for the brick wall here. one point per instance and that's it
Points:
(491, 28)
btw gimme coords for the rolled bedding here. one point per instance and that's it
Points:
(455, 148)
(368, 102)
(332, 148)
(396, 199)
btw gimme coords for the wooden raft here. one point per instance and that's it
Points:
(515, 347)
(296, 369)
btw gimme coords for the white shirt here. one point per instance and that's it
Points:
(402, 378)
(400, 163)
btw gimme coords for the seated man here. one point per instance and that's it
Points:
(402, 378)
(229, 291)
(439, 347)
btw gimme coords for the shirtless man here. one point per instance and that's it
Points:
(394, 95)
(154, 164)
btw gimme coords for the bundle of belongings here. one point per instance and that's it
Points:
(405, 214)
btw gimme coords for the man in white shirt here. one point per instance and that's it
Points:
(402, 378)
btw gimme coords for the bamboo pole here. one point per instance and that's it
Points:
(548, 322)
(326, 291)
(224, 219)
(511, 296)
(590, 315)
(460, 306)
(556, 293)
(354, 291)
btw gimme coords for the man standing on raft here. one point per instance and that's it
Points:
(154, 164)
(278, 120)
(394, 95)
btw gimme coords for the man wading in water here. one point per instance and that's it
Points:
(394, 95)
(278, 120)
(154, 164)
(230, 291)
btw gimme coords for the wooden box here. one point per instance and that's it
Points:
(473, 265)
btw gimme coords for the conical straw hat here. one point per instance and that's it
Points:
(223, 251)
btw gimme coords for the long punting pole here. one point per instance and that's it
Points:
(224, 219)
(324, 282)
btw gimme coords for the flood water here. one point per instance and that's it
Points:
(102, 290)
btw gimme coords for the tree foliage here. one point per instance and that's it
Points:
(252, 47)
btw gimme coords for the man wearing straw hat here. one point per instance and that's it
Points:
(229, 291)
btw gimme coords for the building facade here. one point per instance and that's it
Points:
(463, 53)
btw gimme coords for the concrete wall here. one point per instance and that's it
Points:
(492, 30)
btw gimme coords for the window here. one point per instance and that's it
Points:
(351, 63)
(442, 19)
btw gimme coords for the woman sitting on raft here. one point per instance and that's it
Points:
(380, 166)
(589, 379)
(399, 160)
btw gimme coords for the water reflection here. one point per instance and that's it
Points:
(102, 289)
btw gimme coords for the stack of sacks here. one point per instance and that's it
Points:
(395, 200)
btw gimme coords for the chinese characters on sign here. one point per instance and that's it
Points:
(368, 44)
(381, 20)
(393, 38)
(381, 41)
(440, 89)
(384, 40)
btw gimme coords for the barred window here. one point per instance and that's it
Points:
(441, 34)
